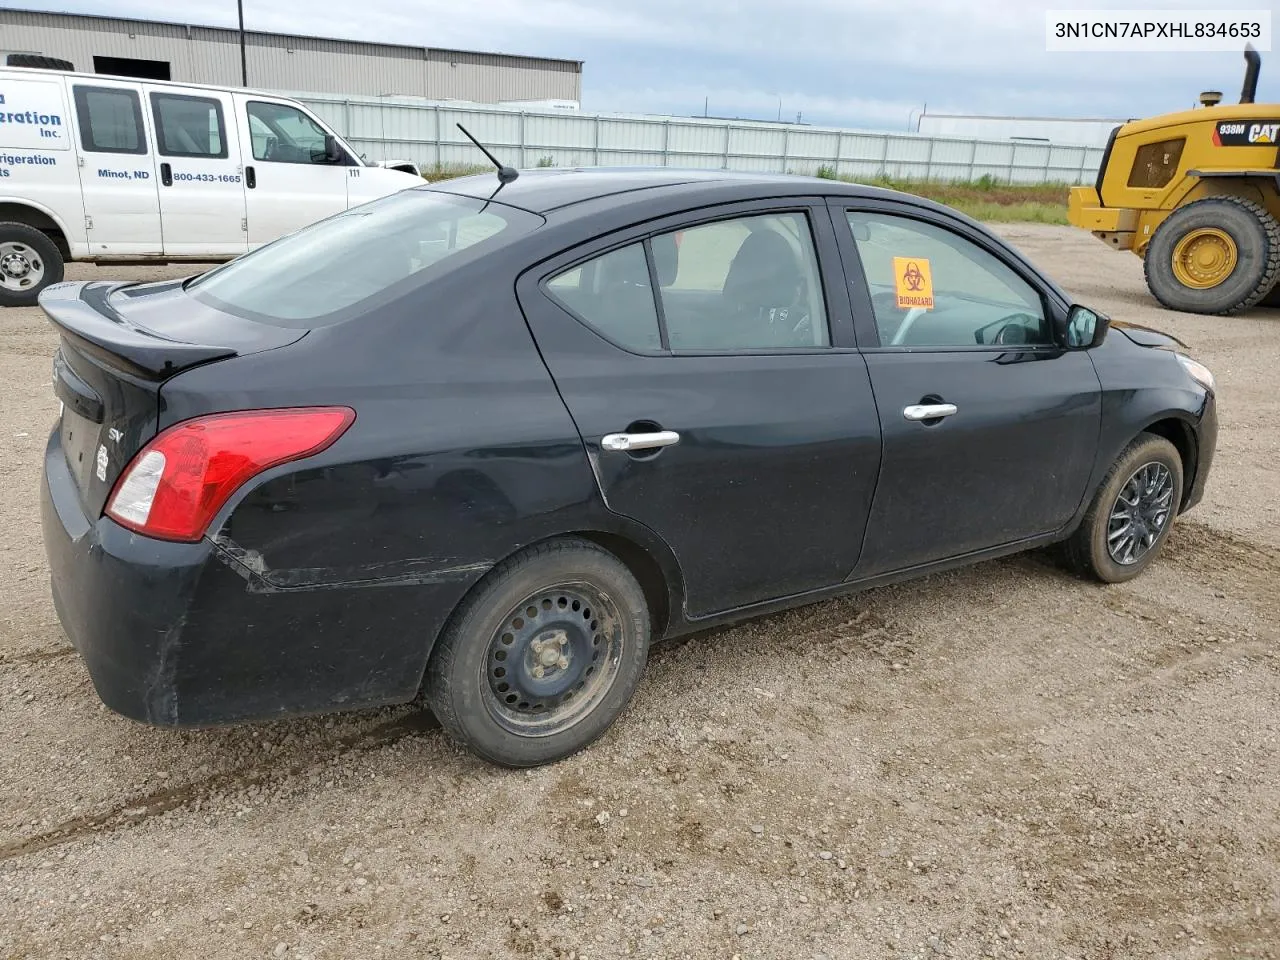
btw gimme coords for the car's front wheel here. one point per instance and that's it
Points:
(542, 656)
(1129, 519)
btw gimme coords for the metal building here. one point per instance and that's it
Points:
(192, 53)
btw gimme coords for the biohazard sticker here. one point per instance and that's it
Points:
(913, 282)
(1245, 133)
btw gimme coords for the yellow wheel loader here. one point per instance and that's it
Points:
(1196, 194)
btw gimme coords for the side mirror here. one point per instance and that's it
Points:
(332, 152)
(1081, 328)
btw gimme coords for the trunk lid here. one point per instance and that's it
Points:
(119, 343)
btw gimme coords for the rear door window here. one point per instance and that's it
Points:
(747, 283)
(110, 120)
(613, 295)
(750, 283)
(189, 126)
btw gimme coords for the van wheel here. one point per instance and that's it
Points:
(1219, 255)
(542, 656)
(29, 262)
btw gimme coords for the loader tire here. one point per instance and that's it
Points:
(1272, 299)
(1230, 235)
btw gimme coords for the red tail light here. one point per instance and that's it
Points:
(174, 486)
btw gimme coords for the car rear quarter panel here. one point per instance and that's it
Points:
(461, 454)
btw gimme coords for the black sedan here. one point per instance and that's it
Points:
(488, 447)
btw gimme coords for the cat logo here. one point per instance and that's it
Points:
(1264, 132)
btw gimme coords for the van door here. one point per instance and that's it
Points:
(117, 169)
(290, 179)
(201, 179)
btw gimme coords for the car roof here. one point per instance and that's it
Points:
(544, 190)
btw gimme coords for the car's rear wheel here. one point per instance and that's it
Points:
(29, 262)
(1129, 519)
(542, 656)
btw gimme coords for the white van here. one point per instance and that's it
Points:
(113, 170)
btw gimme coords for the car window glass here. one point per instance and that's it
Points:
(746, 283)
(321, 273)
(188, 126)
(284, 134)
(931, 287)
(612, 293)
(110, 120)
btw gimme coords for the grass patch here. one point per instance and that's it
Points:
(1030, 212)
(450, 170)
(986, 198)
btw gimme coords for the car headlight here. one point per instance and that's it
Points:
(1198, 372)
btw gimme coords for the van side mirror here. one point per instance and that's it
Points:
(332, 152)
(1081, 328)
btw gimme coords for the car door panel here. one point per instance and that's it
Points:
(1013, 460)
(767, 490)
(1011, 463)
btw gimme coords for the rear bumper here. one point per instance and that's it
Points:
(179, 634)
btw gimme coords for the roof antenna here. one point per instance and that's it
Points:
(505, 174)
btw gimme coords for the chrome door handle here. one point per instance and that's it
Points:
(928, 411)
(621, 442)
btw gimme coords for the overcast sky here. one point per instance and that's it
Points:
(867, 63)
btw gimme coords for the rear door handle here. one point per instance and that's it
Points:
(621, 442)
(250, 177)
(166, 174)
(928, 411)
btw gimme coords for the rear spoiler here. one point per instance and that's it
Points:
(82, 312)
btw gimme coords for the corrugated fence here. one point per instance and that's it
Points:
(426, 132)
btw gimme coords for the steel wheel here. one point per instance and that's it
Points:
(1204, 258)
(542, 655)
(21, 266)
(553, 660)
(1140, 512)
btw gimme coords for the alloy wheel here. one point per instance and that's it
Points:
(1140, 513)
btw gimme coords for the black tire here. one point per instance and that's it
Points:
(1256, 234)
(463, 675)
(34, 249)
(35, 61)
(1087, 550)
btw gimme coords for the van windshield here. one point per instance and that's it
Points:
(357, 260)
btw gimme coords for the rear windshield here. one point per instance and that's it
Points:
(352, 262)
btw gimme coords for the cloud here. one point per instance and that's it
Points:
(849, 62)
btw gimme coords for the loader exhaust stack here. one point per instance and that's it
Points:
(1253, 61)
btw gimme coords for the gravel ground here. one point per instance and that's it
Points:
(1002, 761)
